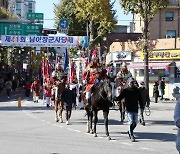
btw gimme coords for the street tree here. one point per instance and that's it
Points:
(97, 13)
(66, 9)
(146, 9)
(6, 14)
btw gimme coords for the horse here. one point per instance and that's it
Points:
(101, 99)
(121, 104)
(58, 90)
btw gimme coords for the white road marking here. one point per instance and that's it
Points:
(125, 143)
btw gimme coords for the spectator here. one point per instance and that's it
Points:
(162, 87)
(14, 83)
(35, 88)
(156, 91)
(145, 99)
(68, 96)
(8, 86)
(27, 88)
(177, 123)
(1, 84)
(133, 100)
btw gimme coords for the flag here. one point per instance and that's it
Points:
(66, 60)
(73, 72)
(45, 67)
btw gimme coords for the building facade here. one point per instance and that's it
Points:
(165, 24)
(164, 61)
(23, 7)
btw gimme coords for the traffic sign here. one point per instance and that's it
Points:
(63, 24)
(35, 16)
(20, 29)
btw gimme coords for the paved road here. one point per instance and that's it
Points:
(33, 130)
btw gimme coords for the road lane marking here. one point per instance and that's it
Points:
(125, 143)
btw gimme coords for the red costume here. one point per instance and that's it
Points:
(93, 72)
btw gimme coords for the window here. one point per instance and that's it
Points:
(169, 16)
(171, 34)
(18, 8)
(30, 7)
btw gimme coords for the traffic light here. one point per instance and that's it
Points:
(45, 32)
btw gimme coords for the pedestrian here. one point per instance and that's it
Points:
(145, 99)
(162, 87)
(27, 88)
(81, 105)
(1, 84)
(133, 100)
(48, 94)
(14, 83)
(177, 123)
(156, 91)
(68, 96)
(8, 86)
(35, 88)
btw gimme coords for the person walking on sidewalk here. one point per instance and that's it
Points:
(8, 86)
(68, 96)
(162, 87)
(133, 99)
(156, 91)
(177, 123)
(145, 99)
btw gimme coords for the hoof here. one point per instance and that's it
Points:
(57, 120)
(95, 135)
(91, 132)
(61, 121)
(109, 138)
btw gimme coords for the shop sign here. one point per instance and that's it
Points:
(121, 55)
(163, 54)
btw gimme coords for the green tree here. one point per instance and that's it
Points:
(146, 9)
(6, 14)
(98, 13)
(66, 9)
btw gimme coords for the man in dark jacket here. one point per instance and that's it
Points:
(68, 96)
(145, 99)
(133, 99)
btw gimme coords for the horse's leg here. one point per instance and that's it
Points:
(120, 110)
(88, 119)
(91, 120)
(61, 110)
(105, 114)
(56, 110)
(95, 113)
(123, 110)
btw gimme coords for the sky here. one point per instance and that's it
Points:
(47, 7)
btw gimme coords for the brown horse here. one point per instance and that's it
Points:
(101, 99)
(58, 90)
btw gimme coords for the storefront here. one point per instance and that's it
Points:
(162, 63)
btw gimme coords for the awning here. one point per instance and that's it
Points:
(154, 65)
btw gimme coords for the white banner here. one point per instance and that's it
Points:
(39, 41)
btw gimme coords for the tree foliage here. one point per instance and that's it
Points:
(145, 8)
(99, 13)
(66, 9)
(6, 14)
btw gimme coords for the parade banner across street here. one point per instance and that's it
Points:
(39, 41)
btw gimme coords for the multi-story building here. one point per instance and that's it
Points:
(165, 24)
(4, 3)
(23, 7)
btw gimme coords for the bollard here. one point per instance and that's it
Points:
(19, 102)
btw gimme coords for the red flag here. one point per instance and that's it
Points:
(73, 72)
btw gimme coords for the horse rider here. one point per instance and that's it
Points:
(123, 75)
(59, 82)
(92, 75)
